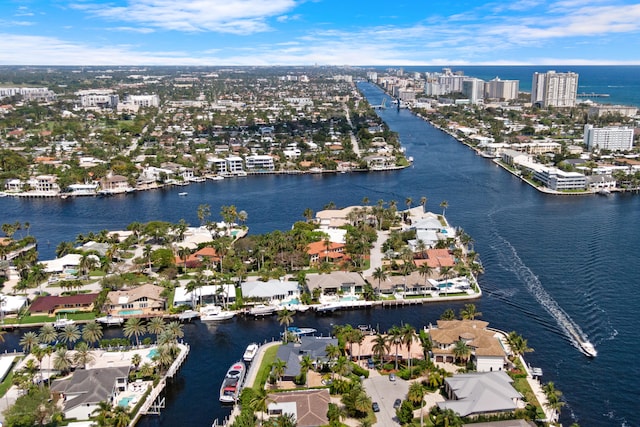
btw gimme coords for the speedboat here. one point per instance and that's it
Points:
(183, 193)
(329, 307)
(212, 313)
(300, 331)
(110, 320)
(61, 322)
(250, 352)
(588, 349)
(232, 383)
(262, 310)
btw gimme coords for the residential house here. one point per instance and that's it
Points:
(273, 291)
(204, 256)
(141, 300)
(114, 184)
(322, 251)
(308, 407)
(487, 393)
(337, 282)
(52, 305)
(82, 393)
(486, 348)
(292, 353)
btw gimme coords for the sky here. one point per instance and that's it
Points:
(319, 32)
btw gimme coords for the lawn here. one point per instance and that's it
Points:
(265, 367)
(8, 380)
(523, 387)
(46, 319)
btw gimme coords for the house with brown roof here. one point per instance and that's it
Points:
(52, 305)
(343, 282)
(321, 251)
(206, 255)
(487, 350)
(308, 407)
(138, 301)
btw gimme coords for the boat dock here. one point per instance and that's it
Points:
(154, 402)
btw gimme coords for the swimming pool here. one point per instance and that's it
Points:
(350, 298)
(447, 285)
(152, 353)
(294, 301)
(125, 401)
(130, 312)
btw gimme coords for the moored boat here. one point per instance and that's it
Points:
(61, 322)
(110, 320)
(232, 383)
(262, 310)
(212, 313)
(250, 352)
(301, 331)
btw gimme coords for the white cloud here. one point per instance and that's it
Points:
(231, 16)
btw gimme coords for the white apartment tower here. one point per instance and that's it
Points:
(473, 89)
(608, 138)
(553, 89)
(501, 89)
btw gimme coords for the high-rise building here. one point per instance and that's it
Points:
(473, 89)
(553, 89)
(501, 89)
(608, 138)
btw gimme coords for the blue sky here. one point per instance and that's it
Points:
(323, 32)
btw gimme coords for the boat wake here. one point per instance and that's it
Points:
(570, 328)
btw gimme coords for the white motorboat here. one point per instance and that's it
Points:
(183, 193)
(250, 352)
(329, 307)
(262, 310)
(188, 315)
(110, 320)
(588, 349)
(301, 331)
(232, 383)
(212, 313)
(61, 322)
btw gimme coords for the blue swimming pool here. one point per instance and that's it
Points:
(350, 298)
(152, 353)
(125, 401)
(130, 312)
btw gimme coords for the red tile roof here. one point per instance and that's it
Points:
(50, 303)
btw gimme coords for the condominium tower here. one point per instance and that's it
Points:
(553, 89)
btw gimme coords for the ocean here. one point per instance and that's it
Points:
(553, 264)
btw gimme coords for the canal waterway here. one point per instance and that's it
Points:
(553, 264)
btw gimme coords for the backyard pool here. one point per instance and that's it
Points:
(130, 312)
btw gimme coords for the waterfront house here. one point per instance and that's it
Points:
(86, 388)
(52, 305)
(10, 304)
(112, 184)
(322, 251)
(308, 407)
(474, 394)
(205, 294)
(204, 256)
(141, 300)
(273, 291)
(292, 353)
(337, 282)
(487, 351)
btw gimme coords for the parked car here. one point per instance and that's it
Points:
(375, 407)
(370, 364)
(397, 404)
(392, 377)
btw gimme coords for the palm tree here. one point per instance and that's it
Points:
(380, 275)
(416, 393)
(553, 395)
(394, 337)
(332, 351)
(82, 356)
(279, 367)
(28, 341)
(103, 414)
(444, 205)
(423, 202)
(517, 344)
(134, 326)
(462, 351)
(136, 359)
(308, 214)
(64, 248)
(408, 336)
(448, 314)
(47, 334)
(92, 332)
(425, 343)
(147, 252)
(285, 317)
(174, 329)
(69, 334)
(155, 326)
(380, 347)
(469, 312)
(62, 360)
(121, 417)
(425, 271)
(259, 401)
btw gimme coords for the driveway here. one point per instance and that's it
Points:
(385, 392)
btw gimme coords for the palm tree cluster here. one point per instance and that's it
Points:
(554, 398)
(167, 336)
(106, 415)
(517, 344)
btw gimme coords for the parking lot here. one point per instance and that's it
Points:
(385, 392)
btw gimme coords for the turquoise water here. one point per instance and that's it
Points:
(445, 285)
(130, 312)
(70, 271)
(293, 302)
(152, 353)
(349, 298)
(125, 401)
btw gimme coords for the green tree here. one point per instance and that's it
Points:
(69, 334)
(394, 337)
(448, 314)
(92, 332)
(405, 413)
(35, 408)
(82, 356)
(469, 312)
(28, 341)
(62, 360)
(134, 327)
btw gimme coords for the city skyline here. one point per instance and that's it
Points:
(322, 32)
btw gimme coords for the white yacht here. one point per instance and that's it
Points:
(262, 310)
(212, 313)
(250, 352)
